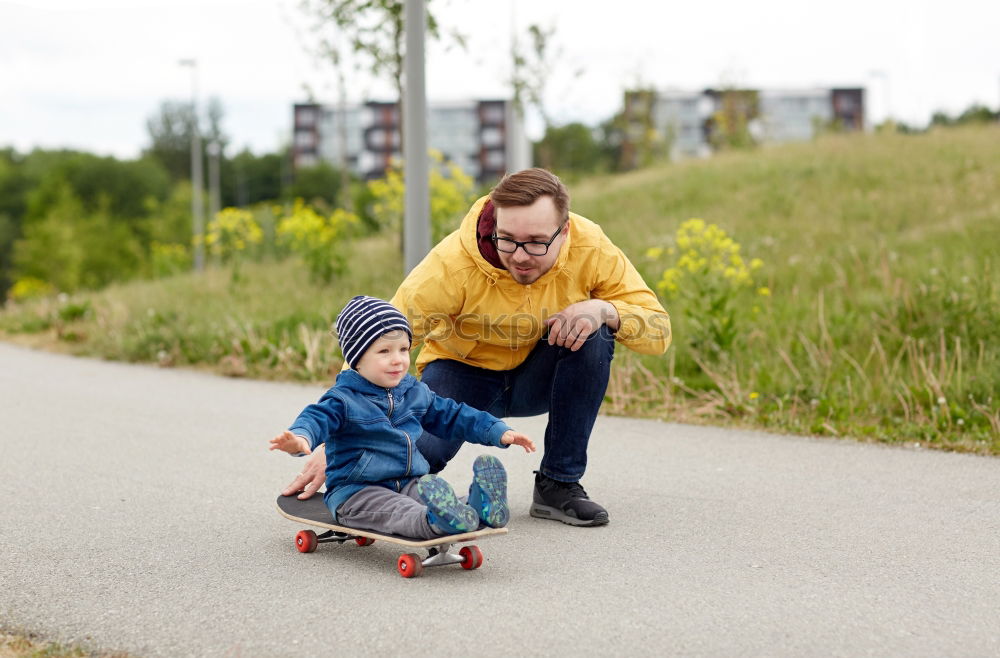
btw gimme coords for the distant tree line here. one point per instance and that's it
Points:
(74, 220)
(976, 113)
(71, 220)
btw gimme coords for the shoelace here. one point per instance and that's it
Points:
(574, 489)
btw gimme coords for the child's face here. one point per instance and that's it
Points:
(385, 363)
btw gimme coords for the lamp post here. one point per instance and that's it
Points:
(197, 206)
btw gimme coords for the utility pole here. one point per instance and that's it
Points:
(197, 206)
(417, 202)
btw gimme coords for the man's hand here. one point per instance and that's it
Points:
(572, 326)
(290, 443)
(312, 476)
(516, 438)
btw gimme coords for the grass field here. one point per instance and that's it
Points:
(879, 253)
(21, 645)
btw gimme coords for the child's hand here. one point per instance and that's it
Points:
(290, 443)
(511, 437)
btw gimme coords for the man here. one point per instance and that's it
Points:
(519, 311)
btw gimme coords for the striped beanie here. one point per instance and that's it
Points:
(363, 321)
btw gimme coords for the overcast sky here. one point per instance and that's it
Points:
(88, 73)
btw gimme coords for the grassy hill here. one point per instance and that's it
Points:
(873, 314)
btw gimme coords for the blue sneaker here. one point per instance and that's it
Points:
(488, 492)
(445, 512)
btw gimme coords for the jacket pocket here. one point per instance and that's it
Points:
(358, 472)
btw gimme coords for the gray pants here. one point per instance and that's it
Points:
(383, 510)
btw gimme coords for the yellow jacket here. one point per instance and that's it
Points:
(464, 309)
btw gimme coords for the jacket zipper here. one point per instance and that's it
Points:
(409, 451)
(409, 441)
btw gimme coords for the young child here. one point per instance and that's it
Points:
(370, 420)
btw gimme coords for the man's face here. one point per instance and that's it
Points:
(534, 223)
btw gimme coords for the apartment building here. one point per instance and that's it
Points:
(483, 137)
(690, 122)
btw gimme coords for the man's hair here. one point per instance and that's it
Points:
(525, 187)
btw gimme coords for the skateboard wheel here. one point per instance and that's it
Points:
(364, 541)
(305, 541)
(472, 557)
(410, 565)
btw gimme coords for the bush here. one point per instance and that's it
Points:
(321, 241)
(452, 192)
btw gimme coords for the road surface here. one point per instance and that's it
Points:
(138, 515)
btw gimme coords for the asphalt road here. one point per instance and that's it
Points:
(138, 514)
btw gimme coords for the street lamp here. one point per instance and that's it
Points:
(197, 207)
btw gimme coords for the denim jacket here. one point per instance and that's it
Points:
(371, 432)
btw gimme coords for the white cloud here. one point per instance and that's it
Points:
(87, 73)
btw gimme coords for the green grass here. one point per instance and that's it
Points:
(880, 252)
(271, 323)
(28, 645)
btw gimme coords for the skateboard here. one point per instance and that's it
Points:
(313, 511)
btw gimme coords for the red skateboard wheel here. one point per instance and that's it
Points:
(409, 565)
(472, 557)
(305, 541)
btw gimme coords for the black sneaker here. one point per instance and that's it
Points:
(566, 502)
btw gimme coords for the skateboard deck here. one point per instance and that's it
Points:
(313, 511)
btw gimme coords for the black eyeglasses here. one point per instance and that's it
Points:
(531, 247)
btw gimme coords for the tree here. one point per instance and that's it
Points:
(71, 248)
(248, 178)
(371, 30)
(729, 126)
(14, 185)
(631, 137)
(572, 149)
(170, 135)
(122, 188)
(321, 182)
(532, 72)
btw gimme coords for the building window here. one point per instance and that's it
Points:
(494, 160)
(305, 116)
(491, 137)
(492, 114)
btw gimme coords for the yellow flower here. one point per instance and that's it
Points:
(654, 253)
(754, 395)
(764, 291)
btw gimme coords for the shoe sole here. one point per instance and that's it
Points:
(445, 510)
(551, 513)
(490, 477)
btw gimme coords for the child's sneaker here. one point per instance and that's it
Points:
(445, 512)
(488, 491)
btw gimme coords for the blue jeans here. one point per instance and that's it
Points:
(567, 385)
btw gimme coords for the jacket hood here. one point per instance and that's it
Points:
(467, 238)
(353, 381)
